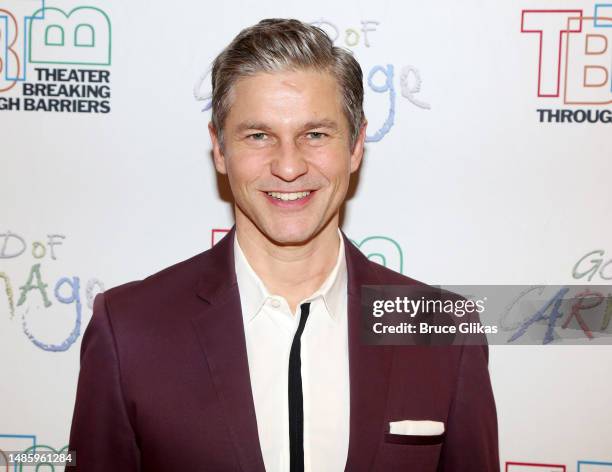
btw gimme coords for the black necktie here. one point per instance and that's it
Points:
(296, 403)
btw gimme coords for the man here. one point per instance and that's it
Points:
(247, 357)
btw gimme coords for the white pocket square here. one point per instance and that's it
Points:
(416, 428)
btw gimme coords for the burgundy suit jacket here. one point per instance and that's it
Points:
(164, 382)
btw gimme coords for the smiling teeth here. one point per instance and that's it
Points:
(288, 196)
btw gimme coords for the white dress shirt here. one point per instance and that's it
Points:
(269, 328)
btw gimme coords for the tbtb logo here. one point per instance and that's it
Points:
(574, 66)
(54, 59)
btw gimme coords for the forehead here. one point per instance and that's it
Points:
(285, 96)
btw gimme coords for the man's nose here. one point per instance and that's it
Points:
(289, 163)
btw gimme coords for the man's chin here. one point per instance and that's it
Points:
(290, 237)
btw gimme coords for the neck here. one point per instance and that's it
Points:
(291, 271)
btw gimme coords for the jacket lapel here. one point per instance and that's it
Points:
(219, 327)
(369, 369)
(220, 330)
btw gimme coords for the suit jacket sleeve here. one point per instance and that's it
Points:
(471, 442)
(101, 434)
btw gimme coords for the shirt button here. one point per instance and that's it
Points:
(275, 303)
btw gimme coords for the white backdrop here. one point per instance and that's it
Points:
(462, 182)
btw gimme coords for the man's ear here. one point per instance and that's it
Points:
(218, 157)
(358, 149)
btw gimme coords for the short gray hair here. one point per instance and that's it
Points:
(277, 44)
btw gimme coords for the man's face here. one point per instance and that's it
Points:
(287, 153)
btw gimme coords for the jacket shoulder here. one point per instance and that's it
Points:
(390, 277)
(164, 284)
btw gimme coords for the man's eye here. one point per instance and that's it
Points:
(317, 134)
(257, 136)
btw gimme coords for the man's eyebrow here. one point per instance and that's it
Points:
(246, 125)
(323, 123)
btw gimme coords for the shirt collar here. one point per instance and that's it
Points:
(253, 292)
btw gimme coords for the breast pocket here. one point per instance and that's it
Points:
(400, 452)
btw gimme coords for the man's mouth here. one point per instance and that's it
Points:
(289, 196)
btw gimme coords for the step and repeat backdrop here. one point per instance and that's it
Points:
(488, 161)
